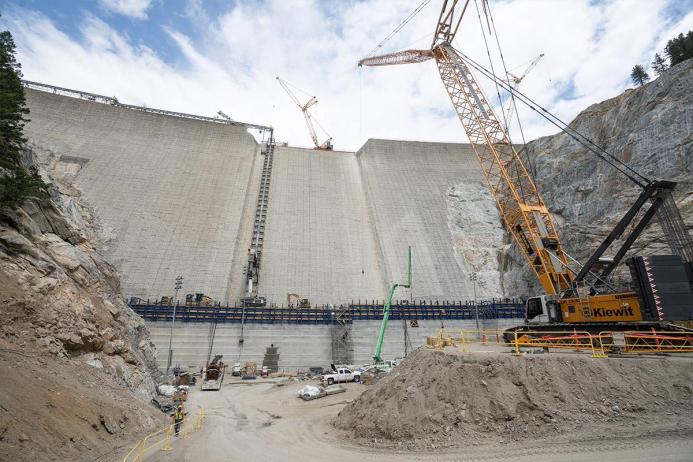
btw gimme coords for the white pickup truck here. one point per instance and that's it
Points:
(340, 374)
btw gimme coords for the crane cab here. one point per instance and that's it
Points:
(619, 307)
(542, 309)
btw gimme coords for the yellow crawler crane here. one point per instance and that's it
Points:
(569, 297)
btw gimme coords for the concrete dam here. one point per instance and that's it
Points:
(177, 196)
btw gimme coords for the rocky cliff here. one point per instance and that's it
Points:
(77, 365)
(650, 128)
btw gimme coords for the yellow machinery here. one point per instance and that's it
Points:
(198, 300)
(569, 297)
(300, 302)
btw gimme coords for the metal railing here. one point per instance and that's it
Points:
(163, 438)
(327, 314)
(658, 342)
(600, 345)
(113, 101)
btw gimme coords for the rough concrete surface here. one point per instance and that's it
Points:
(319, 242)
(407, 184)
(169, 191)
(175, 196)
(300, 346)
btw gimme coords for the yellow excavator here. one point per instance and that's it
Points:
(198, 300)
(300, 302)
(574, 293)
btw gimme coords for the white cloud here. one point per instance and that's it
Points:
(133, 8)
(589, 50)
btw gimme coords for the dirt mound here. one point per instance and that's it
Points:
(55, 408)
(446, 398)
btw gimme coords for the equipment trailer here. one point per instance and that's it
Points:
(214, 374)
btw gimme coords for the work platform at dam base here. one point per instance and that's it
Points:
(312, 336)
(329, 314)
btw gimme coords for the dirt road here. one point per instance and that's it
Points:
(265, 421)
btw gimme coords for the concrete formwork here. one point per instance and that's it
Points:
(318, 239)
(406, 184)
(170, 192)
(300, 346)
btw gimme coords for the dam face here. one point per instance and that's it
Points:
(319, 240)
(170, 192)
(177, 196)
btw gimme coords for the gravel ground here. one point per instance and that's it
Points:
(265, 420)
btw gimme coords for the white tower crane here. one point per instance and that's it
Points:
(514, 82)
(327, 144)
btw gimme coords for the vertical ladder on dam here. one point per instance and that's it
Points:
(255, 252)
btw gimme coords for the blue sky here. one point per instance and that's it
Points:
(201, 56)
(144, 31)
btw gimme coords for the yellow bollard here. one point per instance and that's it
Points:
(483, 337)
(198, 424)
(517, 351)
(601, 353)
(167, 444)
(186, 427)
(140, 454)
(463, 343)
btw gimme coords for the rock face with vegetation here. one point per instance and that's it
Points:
(77, 367)
(650, 128)
(71, 351)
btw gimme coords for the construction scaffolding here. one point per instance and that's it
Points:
(342, 344)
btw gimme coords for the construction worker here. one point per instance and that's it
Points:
(178, 417)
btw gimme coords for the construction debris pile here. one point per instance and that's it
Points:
(445, 399)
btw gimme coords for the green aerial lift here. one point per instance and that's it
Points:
(386, 311)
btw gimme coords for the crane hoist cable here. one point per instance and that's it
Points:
(512, 96)
(400, 26)
(583, 140)
(492, 26)
(506, 123)
(488, 54)
(590, 145)
(506, 114)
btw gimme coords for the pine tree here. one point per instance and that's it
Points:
(638, 75)
(680, 48)
(658, 64)
(17, 182)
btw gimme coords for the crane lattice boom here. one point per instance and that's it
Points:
(400, 57)
(519, 202)
(327, 144)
